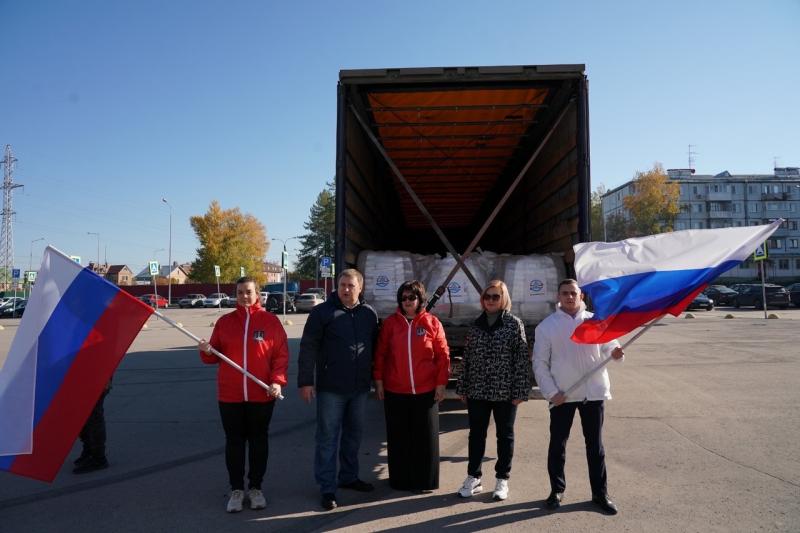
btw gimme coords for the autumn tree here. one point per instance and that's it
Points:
(320, 227)
(653, 204)
(617, 227)
(598, 224)
(230, 239)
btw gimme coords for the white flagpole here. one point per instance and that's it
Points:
(605, 361)
(216, 352)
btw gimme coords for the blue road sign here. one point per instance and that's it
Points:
(325, 262)
(15, 273)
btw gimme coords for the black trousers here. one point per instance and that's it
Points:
(479, 412)
(412, 439)
(93, 433)
(592, 423)
(246, 425)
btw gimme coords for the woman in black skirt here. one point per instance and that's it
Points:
(412, 364)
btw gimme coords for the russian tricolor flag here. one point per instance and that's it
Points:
(637, 280)
(76, 328)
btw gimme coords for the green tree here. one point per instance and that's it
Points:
(230, 239)
(320, 229)
(617, 228)
(597, 213)
(653, 204)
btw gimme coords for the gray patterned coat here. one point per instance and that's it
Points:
(497, 364)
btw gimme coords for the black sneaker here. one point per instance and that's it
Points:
(90, 465)
(553, 501)
(329, 502)
(358, 485)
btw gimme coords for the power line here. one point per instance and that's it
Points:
(7, 234)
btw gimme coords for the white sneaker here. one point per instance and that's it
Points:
(471, 486)
(235, 502)
(257, 500)
(500, 490)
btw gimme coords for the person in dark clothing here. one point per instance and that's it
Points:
(335, 364)
(93, 438)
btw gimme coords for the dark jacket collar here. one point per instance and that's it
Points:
(483, 321)
(336, 302)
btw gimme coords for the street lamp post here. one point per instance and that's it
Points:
(169, 274)
(285, 269)
(30, 263)
(97, 265)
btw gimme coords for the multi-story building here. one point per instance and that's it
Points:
(726, 200)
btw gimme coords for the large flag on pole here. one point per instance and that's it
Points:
(76, 328)
(633, 281)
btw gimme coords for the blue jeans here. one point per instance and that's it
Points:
(340, 423)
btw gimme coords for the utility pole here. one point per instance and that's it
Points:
(169, 273)
(7, 235)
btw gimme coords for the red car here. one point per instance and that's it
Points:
(154, 300)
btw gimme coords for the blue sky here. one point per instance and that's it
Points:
(110, 106)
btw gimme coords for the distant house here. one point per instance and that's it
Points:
(177, 273)
(273, 272)
(120, 275)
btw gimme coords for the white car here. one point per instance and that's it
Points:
(192, 300)
(307, 301)
(217, 299)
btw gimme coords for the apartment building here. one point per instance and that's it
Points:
(728, 200)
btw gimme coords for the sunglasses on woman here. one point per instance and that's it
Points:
(490, 297)
(409, 298)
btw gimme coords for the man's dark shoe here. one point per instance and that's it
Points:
(329, 502)
(360, 486)
(90, 465)
(553, 501)
(84, 457)
(605, 503)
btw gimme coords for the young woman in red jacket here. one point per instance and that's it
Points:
(255, 340)
(412, 364)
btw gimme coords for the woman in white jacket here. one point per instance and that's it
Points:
(558, 362)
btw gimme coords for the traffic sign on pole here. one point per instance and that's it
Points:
(153, 268)
(761, 252)
(216, 270)
(15, 273)
(241, 272)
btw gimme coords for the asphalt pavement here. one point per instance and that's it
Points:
(702, 435)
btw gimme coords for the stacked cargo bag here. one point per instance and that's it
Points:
(461, 303)
(384, 272)
(533, 283)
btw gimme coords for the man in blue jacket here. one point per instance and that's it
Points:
(337, 349)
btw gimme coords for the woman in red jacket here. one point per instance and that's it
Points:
(255, 340)
(412, 364)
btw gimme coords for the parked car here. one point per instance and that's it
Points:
(15, 309)
(306, 301)
(275, 303)
(721, 294)
(217, 299)
(317, 290)
(751, 294)
(154, 300)
(701, 301)
(794, 293)
(8, 301)
(192, 300)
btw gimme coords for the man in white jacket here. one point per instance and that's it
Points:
(559, 362)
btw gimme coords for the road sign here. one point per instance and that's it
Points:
(325, 272)
(241, 272)
(761, 252)
(15, 273)
(216, 270)
(76, 258)
(153, 268)
(325, 262)
(31, 276)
